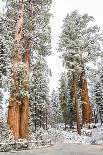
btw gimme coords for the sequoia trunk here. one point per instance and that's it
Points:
(86, 106)
(18, 108)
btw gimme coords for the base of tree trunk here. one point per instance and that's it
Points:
(18, 118)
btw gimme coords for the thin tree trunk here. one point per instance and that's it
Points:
(100, 116)
(46, 119)
(76, 107)
(65, 121)
(40, 117)
(35, 117)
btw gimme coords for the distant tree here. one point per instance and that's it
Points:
(55, 106)
(63, 98)
(98, 100)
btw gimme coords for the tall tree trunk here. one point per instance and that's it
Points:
(86, 106)
(18, 109)
(24, 112)
(76, 110)
(28, 39)
(13, 118)
(25, 106)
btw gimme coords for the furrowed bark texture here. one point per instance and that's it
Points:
(86, 106)
(18, 109)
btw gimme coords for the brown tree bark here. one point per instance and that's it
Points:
(24, 108)
(76, 110)
(86, 106)
(18, 109)
(24, 113)
(13, 118)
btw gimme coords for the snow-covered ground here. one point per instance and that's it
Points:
(88, 136)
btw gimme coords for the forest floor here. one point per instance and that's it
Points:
(62, 149)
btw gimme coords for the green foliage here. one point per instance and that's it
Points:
(63, 96)
(79, 42)
(39, 99)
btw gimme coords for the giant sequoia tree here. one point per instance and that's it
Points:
(25, 32)
(80, 44)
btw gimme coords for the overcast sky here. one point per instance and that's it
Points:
(59, 9)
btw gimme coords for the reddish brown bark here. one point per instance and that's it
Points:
(13, 118)
(86, 106)
(24, 112)
(18, 110)
(24, 109)
(76, 110)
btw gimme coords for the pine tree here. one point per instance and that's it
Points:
(41, 43)
(2, 64)
(63, 98)
(98, 99)
(2, 53)
(39, 95)
(55, 109)
(72, 116)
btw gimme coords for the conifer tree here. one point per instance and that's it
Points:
(41, 44)
(26, 33)
(56, 113)
(63, 98)
(80, 44)
(39, 95)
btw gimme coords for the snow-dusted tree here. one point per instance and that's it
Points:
(2, 63)
(72, 116)
(39, 95)
(41, 28)
(2, 52)
(80, 44)
(98, 90)
(41, 44)
(55, 108)
(26, 31)
(63, 98)
(99, 99)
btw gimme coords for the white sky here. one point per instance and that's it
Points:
(59, 9)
